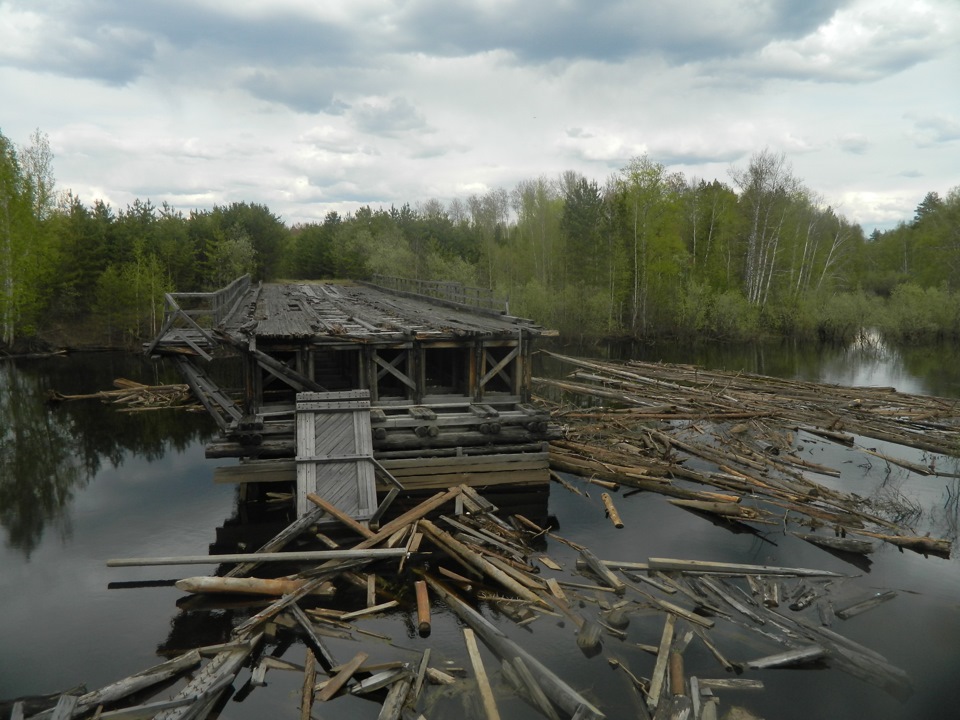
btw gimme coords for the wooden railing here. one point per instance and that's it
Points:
(455, 292)
(200, 311)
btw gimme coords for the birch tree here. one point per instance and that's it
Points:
(766, 185)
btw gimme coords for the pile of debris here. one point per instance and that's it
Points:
(673, 428)
(470, 559)
(137, 397)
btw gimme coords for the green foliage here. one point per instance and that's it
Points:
(648, 253)
(916, 314)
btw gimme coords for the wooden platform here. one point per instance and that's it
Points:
(335, 452)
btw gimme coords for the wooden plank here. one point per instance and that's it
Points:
(483, 683)
(335, 683)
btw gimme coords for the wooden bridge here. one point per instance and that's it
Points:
(443, 383)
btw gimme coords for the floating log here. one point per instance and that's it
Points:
(423, 608)
(305, 556)
(842, 544)
(250, 586)
(602, 571)
(396, 697)
(724, 568)
(797, 656)
(862, 606)
(210, 682)
(923, 545)
(611, 510)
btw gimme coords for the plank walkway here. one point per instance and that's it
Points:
(335, 452)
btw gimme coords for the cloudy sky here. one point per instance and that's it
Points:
(309, 106)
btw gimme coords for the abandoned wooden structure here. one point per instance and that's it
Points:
(405, 382)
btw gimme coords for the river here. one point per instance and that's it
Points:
(81, 482)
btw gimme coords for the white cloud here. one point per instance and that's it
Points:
(311, 107)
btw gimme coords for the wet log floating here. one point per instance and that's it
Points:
(305, 556)
(209, 683)
(128, 686)
(862, 606)
(611, 510)
(722, 568)
(251, 586)
(923, 545)
(841, 544)
(798, 656)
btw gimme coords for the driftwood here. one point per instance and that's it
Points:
(251, 586)
(561, 694)
(756, 457)
(305, 556)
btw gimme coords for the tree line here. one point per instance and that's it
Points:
(646, 252)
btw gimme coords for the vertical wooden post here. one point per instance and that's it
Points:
(423, 608)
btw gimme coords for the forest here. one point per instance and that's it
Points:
(644, 253)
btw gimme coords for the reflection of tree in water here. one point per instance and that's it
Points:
(39, 467)
(48, 453)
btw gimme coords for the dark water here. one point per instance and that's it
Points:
(81, 483)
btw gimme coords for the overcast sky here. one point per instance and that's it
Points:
(309, 106)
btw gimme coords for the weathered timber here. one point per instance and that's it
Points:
(724, 568)
(396, 698)
(247, 585)
(483, 683)
(797, 656)
(423, 608)
(343, 517)
(602, 571)
(278, 542)
(862, 606)
(611, 510)
(309, 680)
(300, 556)
(478, 562)
(660, 666)
(212, 679)
(841, 544)
(560, 694)
(335, 683)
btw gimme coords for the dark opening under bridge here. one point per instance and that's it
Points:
(404, 382)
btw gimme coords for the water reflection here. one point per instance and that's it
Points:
(48, 453)
(928, 370)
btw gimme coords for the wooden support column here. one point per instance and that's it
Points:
(370, 366)
(416, 371)
(477, 371)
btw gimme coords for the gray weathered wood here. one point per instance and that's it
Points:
(797, 656)
(559, 692)
(302, 556)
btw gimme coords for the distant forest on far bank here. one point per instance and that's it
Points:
(643, 253)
